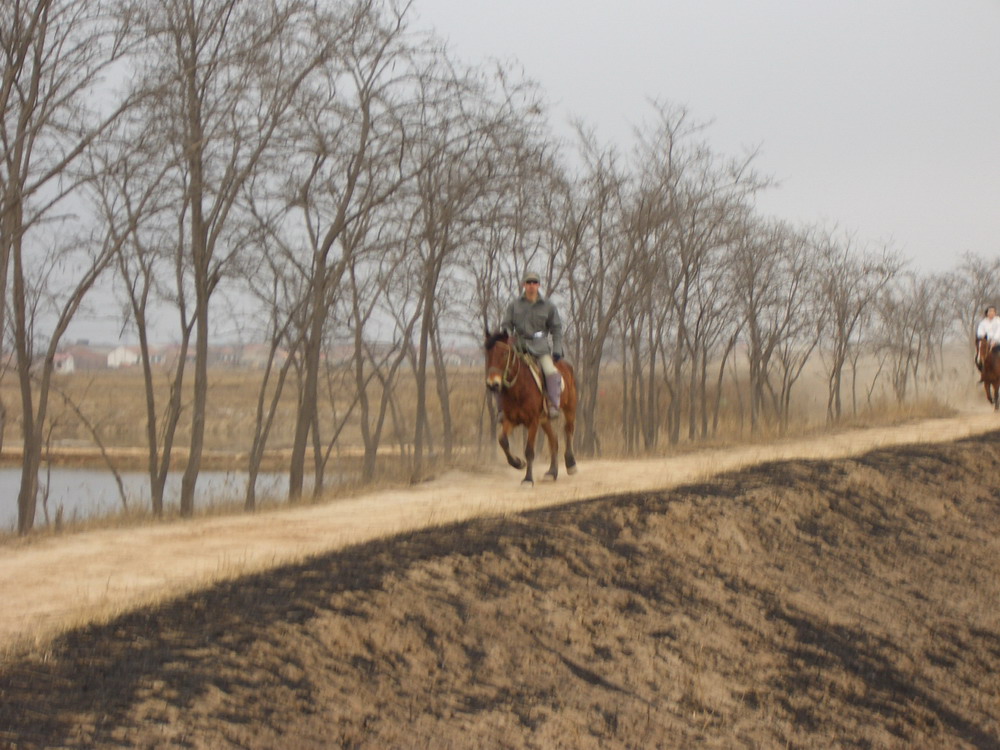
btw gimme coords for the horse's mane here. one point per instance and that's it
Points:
(493, 338)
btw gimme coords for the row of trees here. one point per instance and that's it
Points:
(312, 171)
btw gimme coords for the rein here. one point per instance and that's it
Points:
(507, 380)
(512, 367)
(519, 358)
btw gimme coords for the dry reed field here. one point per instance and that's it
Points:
(114, 407)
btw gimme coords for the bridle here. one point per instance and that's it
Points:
(511, 366)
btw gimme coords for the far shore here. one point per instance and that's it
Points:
(135, 459)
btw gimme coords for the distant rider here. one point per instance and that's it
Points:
(531, 320)
(988, 328)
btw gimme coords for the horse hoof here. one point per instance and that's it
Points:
(527, 484)
(571, 469)
(549, 477)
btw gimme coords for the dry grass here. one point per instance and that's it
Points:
(113, 401)
(114, 404)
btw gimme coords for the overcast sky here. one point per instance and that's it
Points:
(880, 116)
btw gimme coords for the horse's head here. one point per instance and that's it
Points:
(497, 359)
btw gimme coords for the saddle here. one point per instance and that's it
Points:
(535, 369)
(539, 376)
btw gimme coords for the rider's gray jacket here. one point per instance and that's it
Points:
(532, 323)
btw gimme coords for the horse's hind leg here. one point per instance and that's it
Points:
(529, 454)
(550, 433)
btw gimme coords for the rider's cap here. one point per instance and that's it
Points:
(531, 276)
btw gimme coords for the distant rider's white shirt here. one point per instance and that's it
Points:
(989, 329)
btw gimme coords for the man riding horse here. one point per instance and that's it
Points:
(530, 320)
(989, 329)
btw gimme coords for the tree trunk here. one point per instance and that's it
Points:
(264, 420)
(31, 438)
(422, 425)
(199, 402)
(309, 395)
(444, 398)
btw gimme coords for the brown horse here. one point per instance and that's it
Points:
(991, 372)
(523, 403)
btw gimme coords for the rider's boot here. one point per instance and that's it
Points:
(553, 384)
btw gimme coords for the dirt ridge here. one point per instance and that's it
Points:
(828, 602)
(93, 575)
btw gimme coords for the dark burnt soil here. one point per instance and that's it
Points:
(850, 603)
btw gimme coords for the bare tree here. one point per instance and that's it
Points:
(697, 196)
(596, 262)
(226, 72)
(913, 316)
(774, 276)
(54, 52)
(281, 302)
(348, 161)
(646, 316)
(795, 324)
(851, 285)
(375, 358)
(135, 204)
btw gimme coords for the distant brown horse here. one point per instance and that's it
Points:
(991, 372)
(523, 403)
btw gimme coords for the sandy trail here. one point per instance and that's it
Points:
(70, 580)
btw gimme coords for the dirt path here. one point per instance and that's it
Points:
(66, 581)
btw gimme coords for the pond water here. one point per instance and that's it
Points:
(93, 493)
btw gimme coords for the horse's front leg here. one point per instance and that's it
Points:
(989, 396)
(550, 433)
(570, 429)
(529, 454)
(513, 460)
